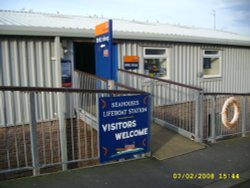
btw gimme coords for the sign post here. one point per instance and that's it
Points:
(105, 65)
(123, 126)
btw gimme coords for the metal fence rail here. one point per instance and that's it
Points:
(212, 120)
(42, 128)
(187, 110)
(175, 105)
(87, 103)
(62, 142)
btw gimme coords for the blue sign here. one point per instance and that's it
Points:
(105, 65)
(66, 68)
(131, 65)
(124, 126)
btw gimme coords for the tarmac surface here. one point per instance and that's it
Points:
(223, 164)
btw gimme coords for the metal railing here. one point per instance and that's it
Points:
(175, 105)
(62, 141)
(212, 117)
(187, 110)
(56, 127)
(88, 102)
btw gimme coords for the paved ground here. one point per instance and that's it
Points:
(226, 157)
(167, 144)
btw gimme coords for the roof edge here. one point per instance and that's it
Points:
(121, 35)
(45, 31)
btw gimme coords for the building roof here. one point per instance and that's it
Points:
(44, 24)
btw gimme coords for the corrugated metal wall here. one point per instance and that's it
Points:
(235, 68)
(27, 62)
(185, 63)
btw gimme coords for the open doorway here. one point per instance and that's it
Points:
(84, 57)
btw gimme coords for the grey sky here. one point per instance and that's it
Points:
(231, 15)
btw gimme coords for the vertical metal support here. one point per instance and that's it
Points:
(98, 131)
(62, 128)
(68, 103)
(33, 136)
(152, 100)
(60, 107)
(5, 117)
(201, 116)
(111, 84)
(244, 116)
(69, 117)
(213, 123)
(198, 117)
(77, 113)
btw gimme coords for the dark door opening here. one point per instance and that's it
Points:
(84, 57)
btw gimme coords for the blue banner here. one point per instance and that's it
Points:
(124, 126)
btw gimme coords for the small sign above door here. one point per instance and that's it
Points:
(131, 62)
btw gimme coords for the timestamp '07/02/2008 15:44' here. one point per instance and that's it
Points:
(204, 176)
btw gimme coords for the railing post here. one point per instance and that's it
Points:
(198, 116)
(33, 136)
(111, 84)
(152, 91)
(62, 127)
(60, 101)
(213, 123)
(244, 115)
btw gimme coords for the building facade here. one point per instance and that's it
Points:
(32, 46)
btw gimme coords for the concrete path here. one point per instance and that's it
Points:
(230, 157)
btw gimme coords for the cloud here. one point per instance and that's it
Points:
(239, 8)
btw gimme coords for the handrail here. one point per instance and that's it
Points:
(162, 80)
(92, 76)
(236, 94)
(105, 80)
(68, 90)
(126, 87)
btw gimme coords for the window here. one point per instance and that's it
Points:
(155, 62)
(211, 64)
(155, 51)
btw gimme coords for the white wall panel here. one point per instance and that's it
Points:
(26, 62)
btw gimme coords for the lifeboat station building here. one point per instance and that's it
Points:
(193, 81)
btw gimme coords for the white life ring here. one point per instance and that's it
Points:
(230, 102)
